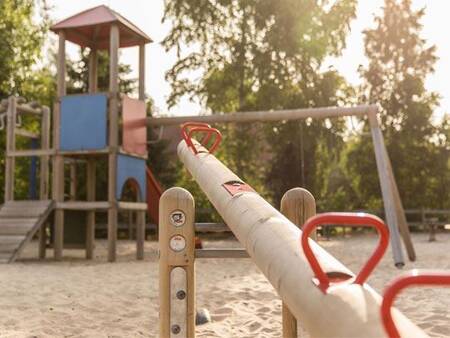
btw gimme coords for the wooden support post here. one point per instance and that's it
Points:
(113, 140)
(93, 78)
(90, 165)
(73, 181)
(142, 72)
(130, 224)
(58, 160)
(402, 222)
(90, 227)
(386, 189)
(44, 176)
(140, 234)
(297, 205)
(176, 264)
(10, 161)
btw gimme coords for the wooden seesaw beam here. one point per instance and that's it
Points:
(272, 242)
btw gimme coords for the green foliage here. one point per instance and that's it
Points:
(78, 74)
(23, 27)
(22, 38)
(399, 62)
(262, 55)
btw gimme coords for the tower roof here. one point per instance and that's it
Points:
(92, 27)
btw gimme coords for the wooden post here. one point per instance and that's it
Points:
(297, 205)
(90, 226)
(130, 224)
(91, 166)
(394, 211)
(58, 160)
(386, 189)
(113, 140)
(10, 161)
(176, 264)
(142, 72)
(93, 77)
(44, 175)
(140, 234)
(73, 181)
(402, 222)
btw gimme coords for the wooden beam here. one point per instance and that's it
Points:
(91, 164)
(83, 152)
(25, 109)
(297, 205)
(58, 160)
(93, 76)
(124, 152)
(142, 72)
(137, 206)
(140, 234)
(30, 153)
(90, 226)
(73, 181)
(44, 176)
(211, 227)
(26, 133)
(265, 116)
(386, 190)
(221, 253)
(83, 205)
(401, 217)
(10, 148)
(113, 139)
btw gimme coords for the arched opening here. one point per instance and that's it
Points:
(131, 191)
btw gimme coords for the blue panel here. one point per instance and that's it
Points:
(83, 122)
(131, 167)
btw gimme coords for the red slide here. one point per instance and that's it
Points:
(154, 192)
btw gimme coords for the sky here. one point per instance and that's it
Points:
(148, 14)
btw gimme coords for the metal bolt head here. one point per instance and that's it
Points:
(175, 329)
(181, 294)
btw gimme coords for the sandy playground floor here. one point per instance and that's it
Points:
(77, 298)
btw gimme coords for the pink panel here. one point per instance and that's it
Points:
(134, 126)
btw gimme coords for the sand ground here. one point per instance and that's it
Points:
(79, 298)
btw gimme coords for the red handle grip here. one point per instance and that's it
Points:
(408, 279)
(350, 219)
(188, 129)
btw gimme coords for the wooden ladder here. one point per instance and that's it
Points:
(19, 221)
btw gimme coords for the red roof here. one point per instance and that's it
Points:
(92, 27)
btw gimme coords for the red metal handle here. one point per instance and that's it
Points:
(190, 128)
(408, 279)
(210, 131)
(350, 219)
(185, 127)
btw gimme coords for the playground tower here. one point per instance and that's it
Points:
(100, 126)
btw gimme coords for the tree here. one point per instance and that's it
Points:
(260, 55)
(23, 27)
(78, 74)
(22, 37)
(399, 62)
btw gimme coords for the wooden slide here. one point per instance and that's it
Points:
(19, 221)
